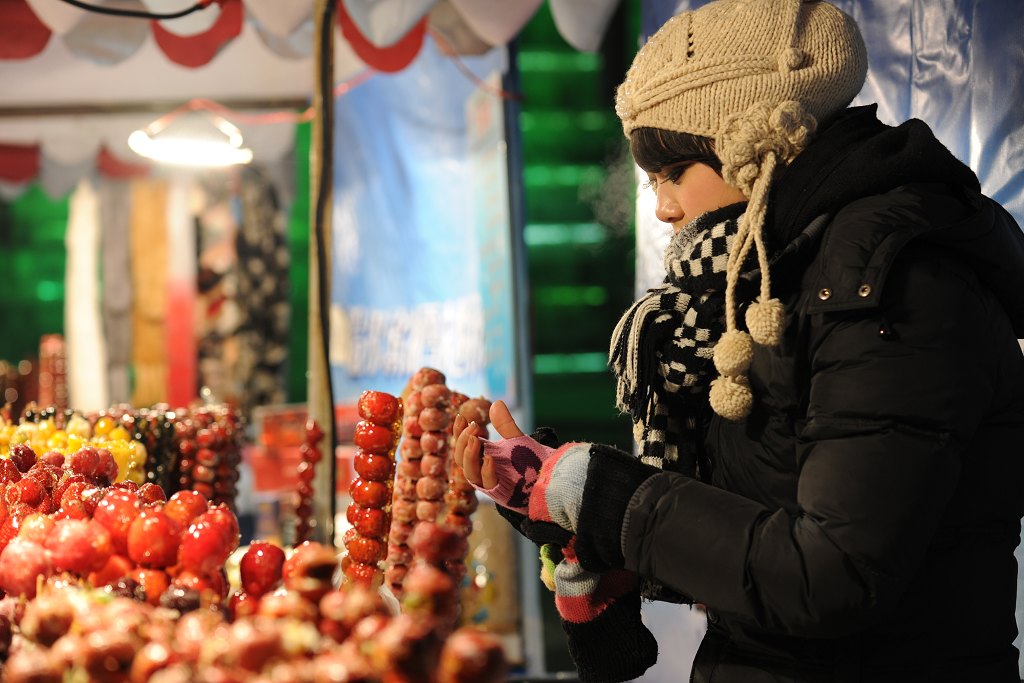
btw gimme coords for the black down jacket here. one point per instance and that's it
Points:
(860, 524)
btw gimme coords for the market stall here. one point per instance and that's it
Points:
(185, 420)
(179, 462)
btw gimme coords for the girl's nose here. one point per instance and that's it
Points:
(667, 209)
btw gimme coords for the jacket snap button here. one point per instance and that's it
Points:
(825, 294)
(864, 291)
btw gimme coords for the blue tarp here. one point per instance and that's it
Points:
(406, 288)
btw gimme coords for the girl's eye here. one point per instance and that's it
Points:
(676, 173)
(651, 184)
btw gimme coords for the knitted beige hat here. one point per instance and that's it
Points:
(755, 76)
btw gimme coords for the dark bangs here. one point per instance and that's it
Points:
(655, 148)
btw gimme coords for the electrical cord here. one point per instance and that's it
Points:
(136, 14)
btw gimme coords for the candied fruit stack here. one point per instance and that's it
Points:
(369, 513)
(106, 579)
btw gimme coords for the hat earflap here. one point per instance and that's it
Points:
(751, 145)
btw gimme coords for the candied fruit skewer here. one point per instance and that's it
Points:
(376, 439)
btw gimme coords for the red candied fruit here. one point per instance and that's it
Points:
(369, 494)
(152, 581)
(23, 457)
(151, 493)
(8, 472)
(260, 568)
(184, 506)
(204, 546)
(366, 550)
(85, 461)
(425, 376)
(411, 426)
(116, 567)
(153, 539)
(374, 466)
(372, 523)
(224, 519)
(243, 604)
(378, 407)
(106, 470)
(363, 574)
(373, 438)
(53, 459)
(116, 511)
(352, 512)
(27, 491)
(79, 546)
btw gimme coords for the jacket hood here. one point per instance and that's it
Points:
(854, 155)
(930, 195)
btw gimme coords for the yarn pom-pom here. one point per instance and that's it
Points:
(733, 352)
(730, 397)
(764, 320)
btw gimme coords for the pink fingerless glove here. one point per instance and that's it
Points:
(517, 464)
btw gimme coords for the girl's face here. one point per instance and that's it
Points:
(686, 191)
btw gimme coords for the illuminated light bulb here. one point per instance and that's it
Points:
(205, 141)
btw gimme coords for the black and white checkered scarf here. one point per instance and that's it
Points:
(661, 349)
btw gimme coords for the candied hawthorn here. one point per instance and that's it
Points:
(116, 567)
(153, 539)
(85, 461)
(411, 426)
(116, 511)
(8, 472)
(153, 582)
(372, 522)
(472, 655)
(203, 547)
(261, 567)
(23, 457)
(366, 575)
(242, 604)
(435, 396)
(184, 506)
(374, 466)
(79, 546)
(372, 438)
(434, 419)
(378, 407)
(426, 376)
(27, 491)
(310, 570)
(151, 493)
(369, 494)
(22, 562)
(366, 550)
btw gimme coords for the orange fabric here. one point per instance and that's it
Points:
(149, 284)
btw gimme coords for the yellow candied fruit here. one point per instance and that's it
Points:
(23, 434)
(121, 452)
(119, 433)
(45, 429)
(75, 442)
(6, 432)
(139, 452)
(79, 426)
(58, 441)
(104, 424)
(136, 475)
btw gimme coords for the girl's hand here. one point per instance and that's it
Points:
(481, 470)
